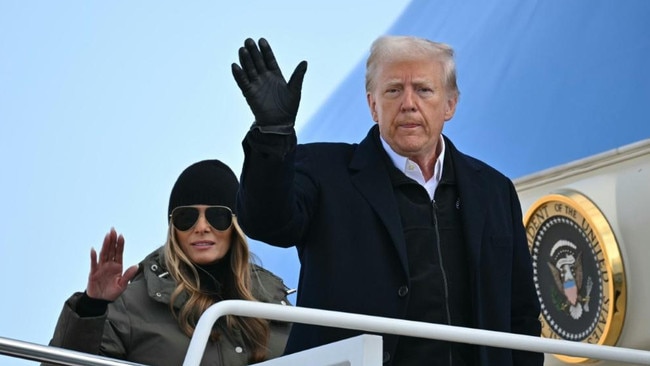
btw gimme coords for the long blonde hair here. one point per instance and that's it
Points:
(237, 285)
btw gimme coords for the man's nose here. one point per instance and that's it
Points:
(408, 101)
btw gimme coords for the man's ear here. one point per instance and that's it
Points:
(450, 108)
(372, 105)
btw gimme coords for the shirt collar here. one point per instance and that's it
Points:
(411, 169)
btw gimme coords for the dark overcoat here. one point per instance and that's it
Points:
(335, 203)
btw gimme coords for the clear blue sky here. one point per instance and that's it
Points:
(102, 104)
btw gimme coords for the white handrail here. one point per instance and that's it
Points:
(400, 327)
(59, 356)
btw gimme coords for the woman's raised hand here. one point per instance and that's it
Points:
(106, 280)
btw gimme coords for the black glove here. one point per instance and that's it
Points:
(273, 101)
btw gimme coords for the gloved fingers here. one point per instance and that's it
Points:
(295, 83)
(269, 57)
(240, 77)
(247, 64)
(255, 55)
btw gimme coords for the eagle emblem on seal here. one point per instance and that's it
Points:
(566, 267)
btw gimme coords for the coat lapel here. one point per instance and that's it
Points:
(472, 189)
(370, 176)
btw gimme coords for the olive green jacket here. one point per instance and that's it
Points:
(139, 326)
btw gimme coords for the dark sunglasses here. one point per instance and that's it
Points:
(185, 217)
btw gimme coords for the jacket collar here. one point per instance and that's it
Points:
(160, 283)
(474, 191)
(369, 174)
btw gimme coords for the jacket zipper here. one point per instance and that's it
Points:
(442, 268)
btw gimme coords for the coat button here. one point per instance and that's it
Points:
(239, 349)
(386, 357)
(154, 267)
(403, 291)
(158, 294)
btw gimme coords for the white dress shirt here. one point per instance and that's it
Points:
(413, 171)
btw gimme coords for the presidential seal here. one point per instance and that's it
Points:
(578, 270)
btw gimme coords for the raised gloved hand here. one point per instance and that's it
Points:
(273, 101)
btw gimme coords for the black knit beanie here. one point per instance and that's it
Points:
(208, 182)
